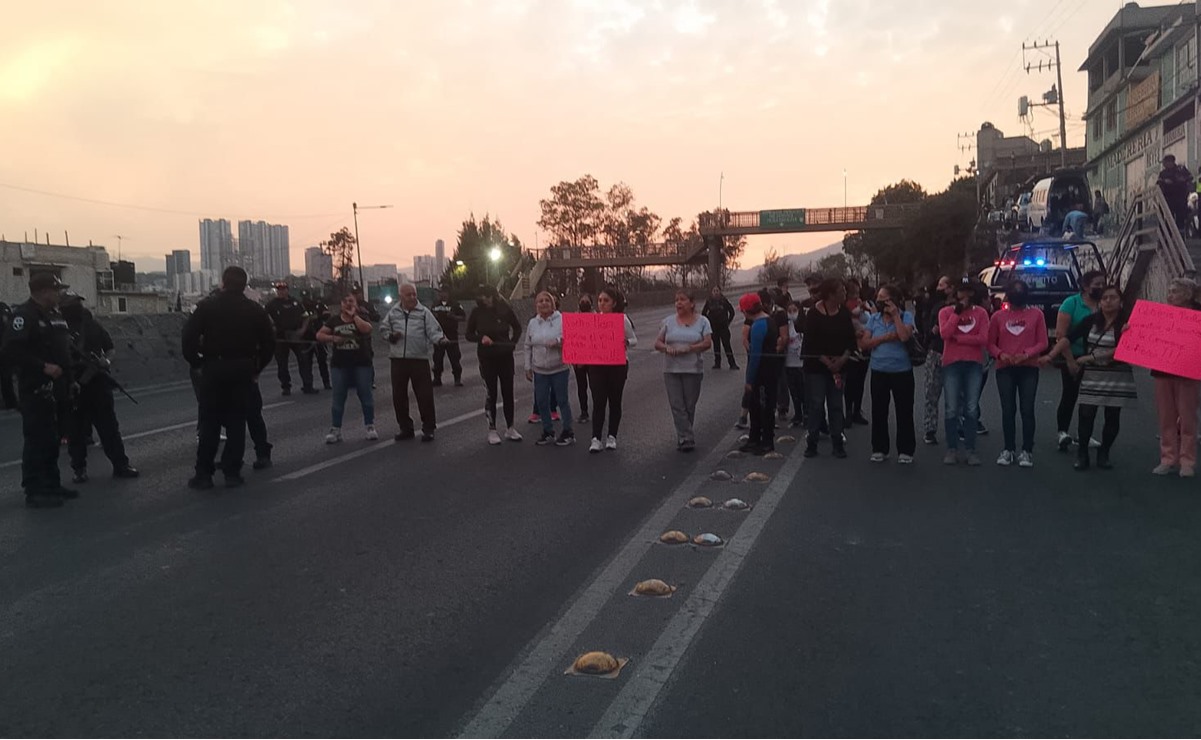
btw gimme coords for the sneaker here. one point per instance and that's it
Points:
(1163, 469)
(554, 416)
(43, 501)
(534, 419)
(1064, 441)
(1187, 472)
(931, 438)
(951, 458)
(1025, 459)
(334, 436)
(372, 435)
(493, 437)
(596, 446)
(1006, 459)
(128, 472)
(840, 452)
(735, 367)
(811, 451)
(742, 423)
(547, 438)
(285, 392)
(611, 443)
(261, 463)
(687, 446)
(458, 383)
(973, 460)
(981, 430)
(427, 436)
(878, 457)
(513, 435)
(584, 418)
(566, 439)
(1093, 444)
(404, 434)
(80, 476)
(905, 459)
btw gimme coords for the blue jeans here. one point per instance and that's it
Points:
(1017, 387)
(961, 402)
(544, 387)
(359, 377)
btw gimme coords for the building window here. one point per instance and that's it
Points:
(122, 305)
(1097, 128)
(1111, 116)
(18, 272)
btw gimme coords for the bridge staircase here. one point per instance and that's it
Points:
(1150, 251)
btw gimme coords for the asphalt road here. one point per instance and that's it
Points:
(406, 589)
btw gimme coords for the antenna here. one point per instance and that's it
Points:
(119, 237)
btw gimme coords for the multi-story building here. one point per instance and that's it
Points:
(377, 274)
(216, 245)
(318, 265)
(199, 282)
(1142, 98)
(425, 269)
(178, 262)
(85, 269)
(440, 259)
(265, 249)
(1008, 163)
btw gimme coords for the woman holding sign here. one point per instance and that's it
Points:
(1176, 400)
(493, 326)
(609, 381)
(1104, 382)
(684, 338)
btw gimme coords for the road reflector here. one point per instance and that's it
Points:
(700, 502)
(736, 504)
(674, 537)
(785, 438)
(745, 438)
(773, 456)
(597, 664)
(708, 539)
(757, 478)
(735, 454)
(720, 475)
(654, 588)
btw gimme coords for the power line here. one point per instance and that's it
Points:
(1068, 17)
(152, 209)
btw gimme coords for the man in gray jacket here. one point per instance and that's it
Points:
(413, 332)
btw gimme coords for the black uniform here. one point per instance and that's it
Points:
(229, 339)
(720, 314)
(35, 338)
(291, 322)
(318, 314)
(93, 399)
(8, 394)
(449, 314)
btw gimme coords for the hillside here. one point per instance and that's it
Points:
(750, 274)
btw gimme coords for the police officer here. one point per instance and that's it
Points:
(230, 339)
(448, 313)
(318, 312)
(37, 344)
(291, 322)
(8, 394)
(92, 399)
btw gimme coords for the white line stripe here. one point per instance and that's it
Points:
(624, 716)
(545, 654)
(303, 472)
(153, 432)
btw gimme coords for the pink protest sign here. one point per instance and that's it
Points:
(1164, 338)
(594, 339)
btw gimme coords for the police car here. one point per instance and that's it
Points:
(1050, 267)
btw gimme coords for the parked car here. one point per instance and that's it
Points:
(1053, 197)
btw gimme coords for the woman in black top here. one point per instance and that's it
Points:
(827, 345)
(495, 329)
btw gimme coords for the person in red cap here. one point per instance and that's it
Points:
(762, 376)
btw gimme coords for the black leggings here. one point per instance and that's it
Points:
(1067, 399)
(608, 384)
(493, 369)
(581, 386)
(856, 383)
(1109, 432)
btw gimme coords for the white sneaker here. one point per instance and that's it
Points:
(905, 459)
(611, 443)
(1006, 459)
(878, 457)
(372, 435)
(1025, 459)
(223, 437)
(493, 437)
(1093, 444)
(1064, 441)
(596, 446)
(513, 435)
(1164, 470)
(334, 436)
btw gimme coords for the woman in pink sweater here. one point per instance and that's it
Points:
(963, 327)
(1017, 337)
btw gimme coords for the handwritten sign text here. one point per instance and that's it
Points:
(1164, 338)
(594, 339)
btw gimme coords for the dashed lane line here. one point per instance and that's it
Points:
(544, 656)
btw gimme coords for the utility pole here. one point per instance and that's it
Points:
(1057, 91)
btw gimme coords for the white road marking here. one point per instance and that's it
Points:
(651, 673)
(545, 656)
(326, 465)
(161, 430)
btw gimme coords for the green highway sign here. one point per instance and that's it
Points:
(787, 218)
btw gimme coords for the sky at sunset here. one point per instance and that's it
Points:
(289, 111)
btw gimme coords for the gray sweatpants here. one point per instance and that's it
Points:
(683, 391)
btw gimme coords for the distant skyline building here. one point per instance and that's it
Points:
(216, 245)
(179, 262)
(440, 256)
(318, 264)
(264, 249)
(425, 269)
(376, 274)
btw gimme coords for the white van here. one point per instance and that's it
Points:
(1054, 196)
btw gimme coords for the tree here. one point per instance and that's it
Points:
(575, 213)
(775, 267)
(834, 265)
(476, 240)
(341, 247)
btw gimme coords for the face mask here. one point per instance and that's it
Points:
(1018, 300)
(793, 315)
(1096, 293)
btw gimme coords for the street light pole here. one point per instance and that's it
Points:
(358, 249)
(844, 188)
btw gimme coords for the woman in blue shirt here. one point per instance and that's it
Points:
(884, 335)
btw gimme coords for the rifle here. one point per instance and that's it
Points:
(95, 366)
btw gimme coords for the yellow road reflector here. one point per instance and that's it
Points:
(597, 664)
(653, 587)
(773, 456)
(674, 537)
(757, 478)
(700, 502)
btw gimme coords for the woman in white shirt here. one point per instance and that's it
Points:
(683, 339)
(608, 382)
(794, 371)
